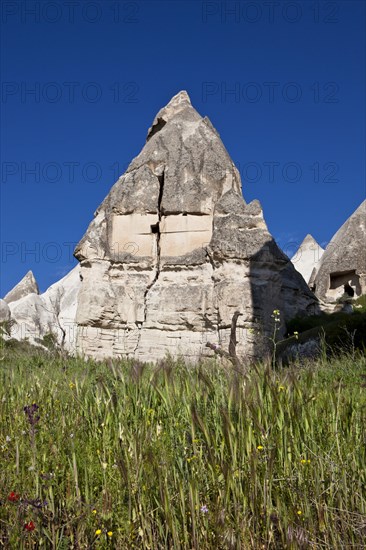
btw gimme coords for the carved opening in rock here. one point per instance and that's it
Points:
(349, 290)
(156, 128)
(155, 228)
(344, 282)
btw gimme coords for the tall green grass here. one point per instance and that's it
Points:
(132, 456)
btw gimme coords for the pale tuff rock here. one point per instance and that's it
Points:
(174, 252)
(27, 285)
(177, 104)
(31, 320)
(307, 257)
(342, 269)
(53, 312)
(4, 311)
(172, 257)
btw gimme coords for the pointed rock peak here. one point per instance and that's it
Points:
(307, 257)
(31, 280)
(175, 106)
(309, 241)
(27, 285)
(178, 99)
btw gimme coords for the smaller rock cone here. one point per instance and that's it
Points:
(27, 285)
(343, 265)
(307, 257)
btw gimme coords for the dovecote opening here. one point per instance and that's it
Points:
(344, 282)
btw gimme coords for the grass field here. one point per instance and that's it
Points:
(122, 455)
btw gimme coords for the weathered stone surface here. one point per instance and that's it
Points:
(32, 319)
(307, 257)
(27, 285)
(174, 251)
(4, 311)
(342, 267)
(53, 311)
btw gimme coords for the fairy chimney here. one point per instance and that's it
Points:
(174, 252)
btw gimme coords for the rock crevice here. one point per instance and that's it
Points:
(156, 230)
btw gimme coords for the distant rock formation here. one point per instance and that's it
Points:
(53, 312)
(307, 257)
(174, 253)
(4, 311)
(342, 268)
(27, 285)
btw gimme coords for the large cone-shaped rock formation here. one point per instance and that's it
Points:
(342, 268)
(307, 257)
(173, 252)
(27, 285)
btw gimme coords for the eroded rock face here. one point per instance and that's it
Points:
(27, 285)
(307, 257)
(174, 251)
(4, 311)
(342, 269)
(54, 312)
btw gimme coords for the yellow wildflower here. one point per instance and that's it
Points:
(260, 448)
(98, 532)
(94, 511)
(110, 533)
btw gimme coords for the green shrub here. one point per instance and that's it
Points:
(359, 305)
(49, 341)
(301, 324)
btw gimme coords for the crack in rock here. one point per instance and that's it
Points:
(156, 230)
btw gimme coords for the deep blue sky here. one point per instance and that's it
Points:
(132, 57)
